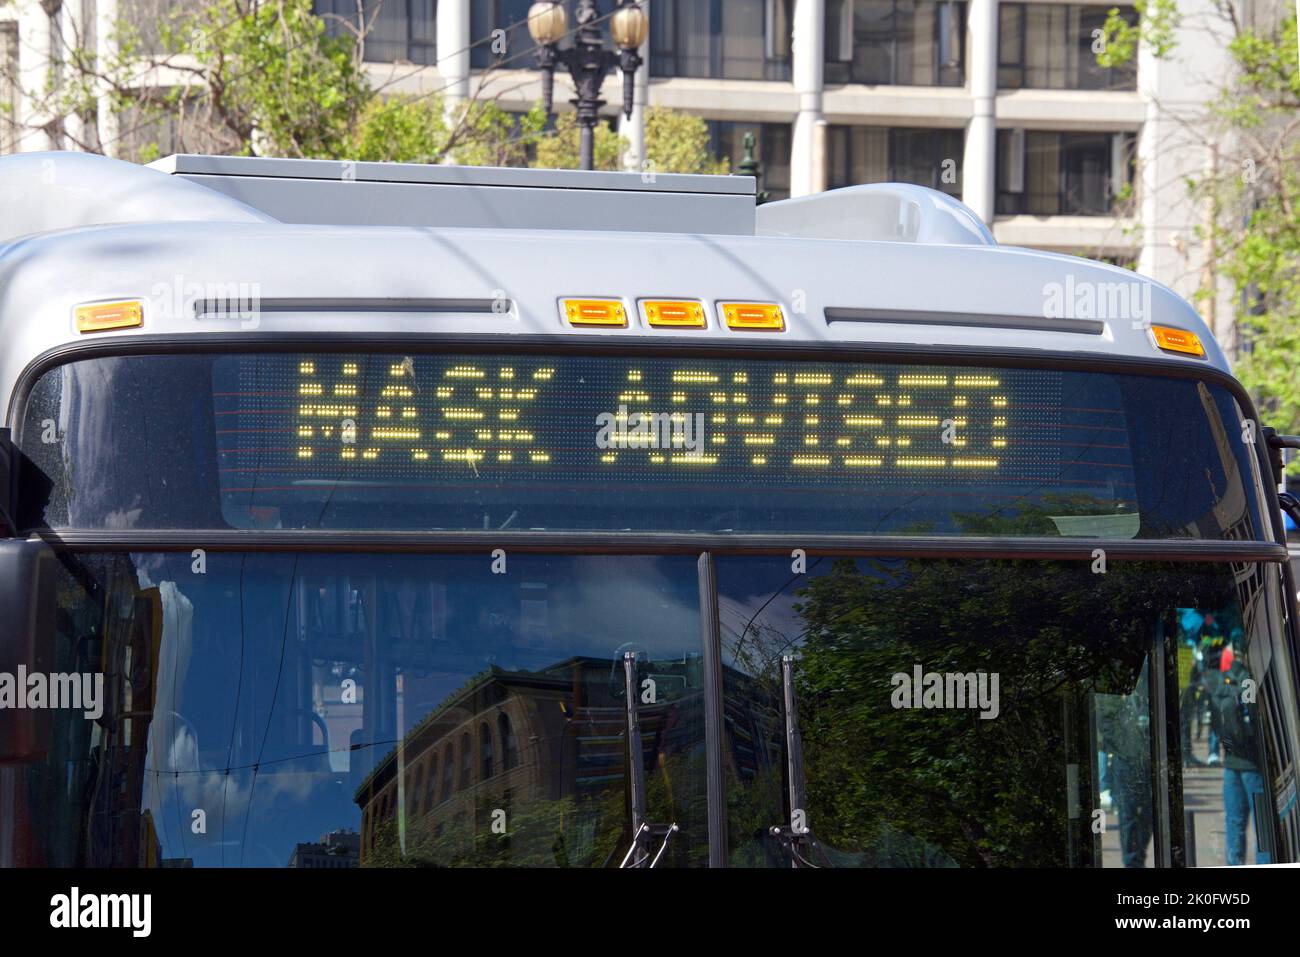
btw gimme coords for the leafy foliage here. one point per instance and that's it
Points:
(675, 143)
(1156, 28)
(269, 79)
(679, 143)
(901, 787)
(1253, 194)
(1256, 197)
(275, 79)
(559, 149)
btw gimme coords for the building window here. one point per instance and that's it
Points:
(771, 147)
(485, 751)
(448, 770)
(896, 42)
(512, 49)
(1044, 173)
(509, 746)
(1048, 46)
(877, 154)
(721, 39)
(431, 784)
(397, 30)
(466, 762)
(415, 787)
(8, 87)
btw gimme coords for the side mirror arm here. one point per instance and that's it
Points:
(1291, 505)
(1276, 442)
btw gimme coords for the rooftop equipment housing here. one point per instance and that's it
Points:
(53, 191)
(327, 192)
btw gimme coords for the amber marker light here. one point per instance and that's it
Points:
(1178, 340)
(763, 316)
(594, 312)
(100, 316)
(681, 314)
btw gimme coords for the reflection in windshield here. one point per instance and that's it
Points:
(334, 711)
(996, 713)
(345, 710)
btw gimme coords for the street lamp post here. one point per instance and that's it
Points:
(587, 60)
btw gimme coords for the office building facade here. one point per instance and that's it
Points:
(1001, 104)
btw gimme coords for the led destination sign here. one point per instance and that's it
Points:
(579, 419)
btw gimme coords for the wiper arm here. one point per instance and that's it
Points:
(639, 852)
(643, 832)
(795, 836)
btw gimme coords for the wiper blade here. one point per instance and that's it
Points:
(643, 832)
(639, 853)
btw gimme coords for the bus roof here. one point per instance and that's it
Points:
(891, 266)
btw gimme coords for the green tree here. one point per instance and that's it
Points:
(275, 80)
(559, 148)
(255, 78)
(1257, 198)
(405, 129)
(900, 787)
(268, 78)
(490, 136)
(262, 78)
(1156, 26)
(1252, 237)
(676, 142)
(1252, 193)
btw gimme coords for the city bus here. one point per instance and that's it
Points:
(382, 515)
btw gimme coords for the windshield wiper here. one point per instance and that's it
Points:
(795, 836)
(643, 832)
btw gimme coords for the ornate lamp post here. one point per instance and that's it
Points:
(750, 166)
(587, 61)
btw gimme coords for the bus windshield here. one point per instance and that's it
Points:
(992, 713)
(475, 442)
(342, 710)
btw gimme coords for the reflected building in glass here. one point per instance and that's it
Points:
(521, 763)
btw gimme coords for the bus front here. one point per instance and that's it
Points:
(683, 570)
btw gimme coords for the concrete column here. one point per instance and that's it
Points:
(73, 32)
(633, 130)
(453, 52)
(978, 171)
(809, 57)
(106, 121)
(1157, 237)
(34, 42)
(821, 134)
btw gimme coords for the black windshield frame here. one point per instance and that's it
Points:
(1264, 492)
